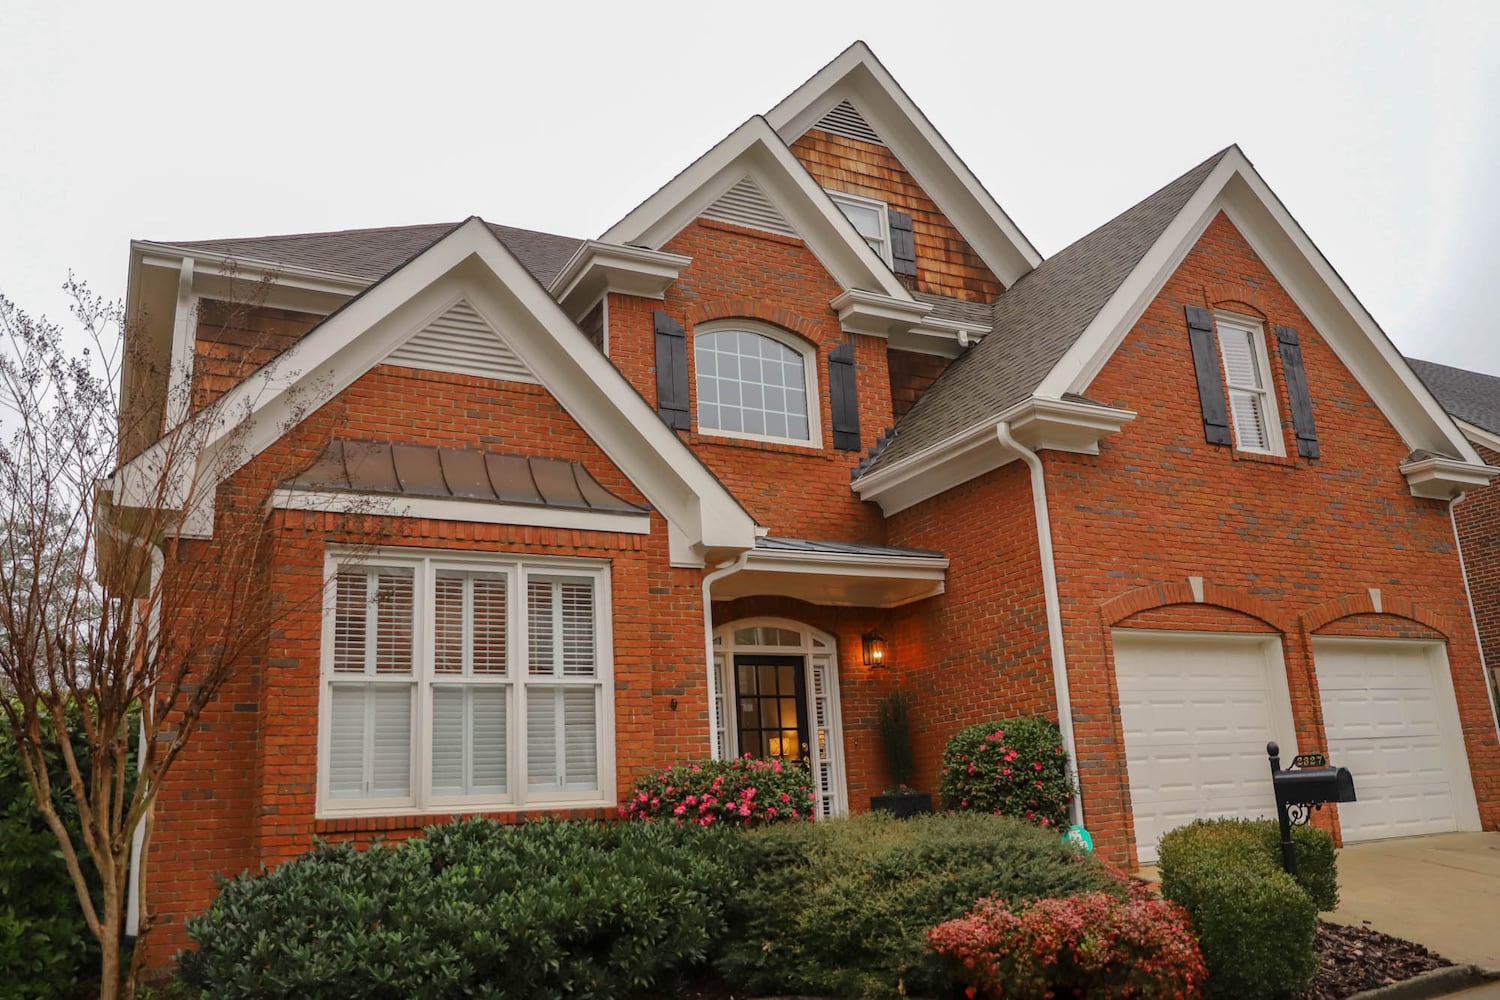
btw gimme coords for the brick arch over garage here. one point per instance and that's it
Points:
(1194, 591)
(1374, 602)
(716, 309)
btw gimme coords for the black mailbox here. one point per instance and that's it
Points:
(1304, 786)
(1314, 786)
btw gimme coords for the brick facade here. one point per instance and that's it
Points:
(1476, 517)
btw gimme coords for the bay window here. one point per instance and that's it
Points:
(464, 683)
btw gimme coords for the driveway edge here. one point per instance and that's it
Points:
(1437, 983)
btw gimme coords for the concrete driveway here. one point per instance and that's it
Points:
(1442, 891)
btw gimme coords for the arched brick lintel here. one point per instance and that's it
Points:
(1364, 603)
(1160, 595)
(717, 309)
(1232, 295)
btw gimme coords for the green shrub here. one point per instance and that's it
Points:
(473, 908)
(843, 907)
(1317, 864)
(1090, 945)
(1256, 925)
(740, 792)
(1014, 767)
(45, 945)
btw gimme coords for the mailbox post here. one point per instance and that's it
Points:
(1304, 786)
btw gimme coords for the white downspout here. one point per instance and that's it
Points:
(1054, 609)
(719, 572)
(138, 836)
(1489, 682)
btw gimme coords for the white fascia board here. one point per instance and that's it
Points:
(598, 268)
(754, 150)
(836, 579)
(452, 509)
(471, 263)
(849, 564)
(1235, 188)
(209, 265)
(1478, 435)
(1038, 423)
(857, 76)
(877, 315)
(1438, 478)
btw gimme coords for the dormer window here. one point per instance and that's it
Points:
(870, 220)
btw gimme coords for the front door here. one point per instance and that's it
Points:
(771, 706)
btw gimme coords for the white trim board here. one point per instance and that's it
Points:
(754, 150)
(453, 509)
(858, 77)
(471, 264)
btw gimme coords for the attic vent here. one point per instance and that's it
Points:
(747, 205)
(460, 341)
(845, 121)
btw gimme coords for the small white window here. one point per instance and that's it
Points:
(870, 220)
(460, 683)
(755, 382)
(1247, 379)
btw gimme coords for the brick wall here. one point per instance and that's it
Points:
(946, 264)
(796, 491)
(1478, 520)
(1287, 545)
(244, 791)
(233, 340)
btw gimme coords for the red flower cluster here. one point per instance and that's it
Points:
(743, 792)
(1093, 945)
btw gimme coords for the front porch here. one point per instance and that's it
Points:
(793, 676)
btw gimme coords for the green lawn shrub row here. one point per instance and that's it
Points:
(1256, 925)
(474, 909)
(843, 908)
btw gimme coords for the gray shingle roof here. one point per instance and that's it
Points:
(1467, 395)
(978, 314)
(1037, 319)
(370, 254)
(772, 543)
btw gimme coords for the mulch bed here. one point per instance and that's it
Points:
(1354, 959)
(1350, 960)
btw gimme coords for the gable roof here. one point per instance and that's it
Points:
(370, 254)
(472, 265)
(1035, 321)
(856, 76)
(1470, 396)
(755, 151)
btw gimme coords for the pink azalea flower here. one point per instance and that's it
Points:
(785, 797)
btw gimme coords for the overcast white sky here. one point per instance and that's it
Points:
(1378, 124)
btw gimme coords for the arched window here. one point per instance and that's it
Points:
(755, 382)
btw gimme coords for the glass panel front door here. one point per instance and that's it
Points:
(771, 706)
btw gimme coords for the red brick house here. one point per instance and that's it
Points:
(648, 494)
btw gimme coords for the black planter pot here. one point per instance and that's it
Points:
(902, 806)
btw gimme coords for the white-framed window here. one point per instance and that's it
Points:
(870, 220)
(754, 381)
(455, 683)
(1247, 379)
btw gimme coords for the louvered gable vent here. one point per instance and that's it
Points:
(747, 205)
(844, 120)
(460, 341)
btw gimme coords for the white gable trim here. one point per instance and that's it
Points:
(858, 77)
(1478, 435)
(472, 265)
(755, 151)
(1300, 268)
(455, 509)
(600, 268)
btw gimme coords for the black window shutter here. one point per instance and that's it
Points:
(671, 372)
(1200, 323)
(903, 243)
(844, 398)
(1296, 390)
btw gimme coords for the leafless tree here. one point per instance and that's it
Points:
(113, 605)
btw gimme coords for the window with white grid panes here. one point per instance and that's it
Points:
(869, 218)
(451, 683)
(754, 384)
(1247, 380)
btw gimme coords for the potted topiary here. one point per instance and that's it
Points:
(894, 726)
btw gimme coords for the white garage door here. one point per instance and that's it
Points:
(1197, 711)
(1389, 714)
